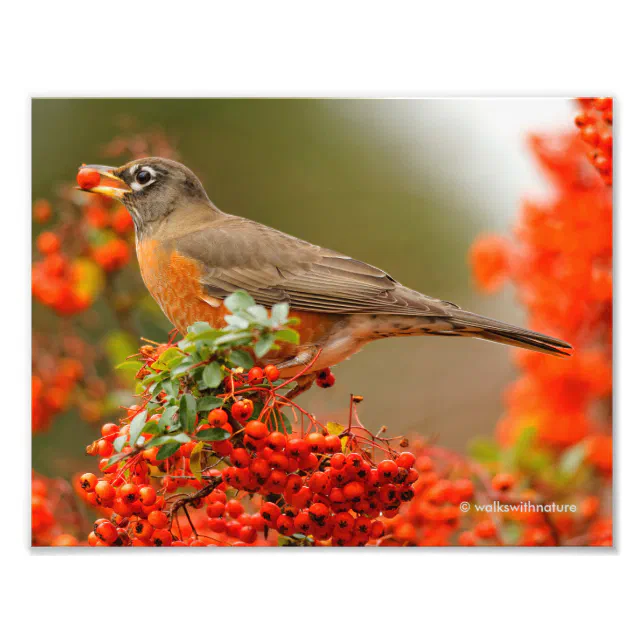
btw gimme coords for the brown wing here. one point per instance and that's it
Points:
(237, 253)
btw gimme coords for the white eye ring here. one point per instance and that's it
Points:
(135, 185)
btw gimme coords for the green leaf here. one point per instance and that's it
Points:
(195, 460)
(285, 422)
(183, 366)
(151, 427)
(153, 378)
(167, 416)
(212, 375)
(129, 365)
(334, 428)
(136, 426)
(264, 344)
(212, 434)
(238, 301)
(209, 402)
(288, 335)
(525, 440)
(197, 328)
(115, 458)
(237, 322)
(171, 387)
(163, 360)
(168, 438)
(167, 450)
(279, 313)
(484, 450)
(572, 459)
(258, 313)
(241, 359)
(119, 443)
(188, 412)
(241, 337)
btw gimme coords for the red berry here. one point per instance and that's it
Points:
(603, 103)
(88, 482)
(158, 519)
(338, 461)
(147, 495)
(466, 538)
(162, 538)
(87, 178)
(316, 441)
(353, 491)
(234, 508)
(320, 482)
(285, 525)
(217, 418)
(344, 521)
(405, 460)
(325, 379)
(104, 491)
(503, 482)
(303, 523)
(109, 431)
(216, 509)
(276, 441)
(332, 444)
(240, 457)
(129, 492)
(387, 471)
(272, 372)
(255, 376)
(485, 530)
(256, 430)
(297, 448)
(463, 490)
(589, 134)
(270, 512)
(377, 529)
(319, 513)
(242, 410)
(106, 532)
(248, 534)
(276, 481)
(48, 243)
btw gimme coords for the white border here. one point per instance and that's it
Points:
(360, 49)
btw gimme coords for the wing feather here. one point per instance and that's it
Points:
(275, 267)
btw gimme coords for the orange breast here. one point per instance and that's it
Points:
(173, 281)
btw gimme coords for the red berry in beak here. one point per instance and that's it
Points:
(88, 178)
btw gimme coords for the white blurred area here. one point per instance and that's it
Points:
(472, 156)
(481, 144)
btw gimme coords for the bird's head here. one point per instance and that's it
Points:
(151, 188)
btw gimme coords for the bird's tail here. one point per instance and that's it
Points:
(477, 326)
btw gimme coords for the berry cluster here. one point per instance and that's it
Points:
(69, 281)
(595, 125)
(55, 282)
(224, 454)
(53, 517)
(443, 510)
(51, 391)
(560, 261)
(561, 264)
(83, 266)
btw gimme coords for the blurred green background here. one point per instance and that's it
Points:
(404, 185)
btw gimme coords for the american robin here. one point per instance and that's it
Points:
(192, 255)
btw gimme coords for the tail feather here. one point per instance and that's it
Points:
(479, 326)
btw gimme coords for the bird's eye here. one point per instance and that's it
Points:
(142, 177)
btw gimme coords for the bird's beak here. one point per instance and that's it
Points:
(110, 185)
